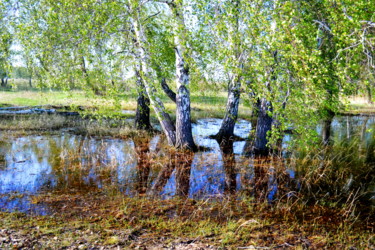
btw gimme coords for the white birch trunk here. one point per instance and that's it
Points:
(184, 135)
(157, 104)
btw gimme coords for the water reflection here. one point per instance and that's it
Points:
(33, 164)
(142, 149)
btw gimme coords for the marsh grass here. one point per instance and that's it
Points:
(143, 222)
(40, 122)
(115, 128)
(340, 176)
(91, 217)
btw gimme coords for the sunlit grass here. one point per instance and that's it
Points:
(360, 105)
(204, 104)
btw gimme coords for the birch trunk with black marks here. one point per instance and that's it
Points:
(163, 117)
(264, 124)
(142, 117)
(184, 135)
(226, 131)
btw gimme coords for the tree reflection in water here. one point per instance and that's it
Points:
(181, 163)
(143, 154)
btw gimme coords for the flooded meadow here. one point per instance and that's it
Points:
(33, 164)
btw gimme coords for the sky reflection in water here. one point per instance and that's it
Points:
(34, 164)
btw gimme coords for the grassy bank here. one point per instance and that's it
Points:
(205, 104)
(360, 105)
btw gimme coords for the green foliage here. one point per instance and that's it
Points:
(304, 57)
(5, 42)
(21, 73)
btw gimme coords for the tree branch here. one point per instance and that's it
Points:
(323, 25)
(166, 1)
(151, 16)
(168, 91)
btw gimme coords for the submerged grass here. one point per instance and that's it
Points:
(94, 218)
(340, 176)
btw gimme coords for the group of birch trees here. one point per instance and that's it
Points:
(293, 61)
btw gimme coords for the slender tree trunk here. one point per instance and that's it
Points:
(328, 53)
(254, 118)
(87, 77)
(326, 129)
(142, 117)
(184, 134)
(168, 91)
(264, 124)
(30, 81)
(3, 84)
(369, 95)
(163, 117)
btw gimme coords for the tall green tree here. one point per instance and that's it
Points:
(5, 44)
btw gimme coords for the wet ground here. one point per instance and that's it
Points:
(65, 162)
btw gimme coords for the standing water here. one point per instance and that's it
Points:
(38, 164)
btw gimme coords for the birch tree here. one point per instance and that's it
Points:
(180, 135)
